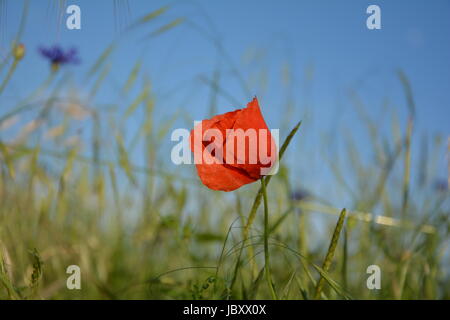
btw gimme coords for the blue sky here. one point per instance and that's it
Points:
(325, 45)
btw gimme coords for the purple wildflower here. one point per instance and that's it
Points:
(57, 56)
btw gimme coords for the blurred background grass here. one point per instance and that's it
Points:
(86, 178)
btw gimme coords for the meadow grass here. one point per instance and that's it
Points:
(143, 232)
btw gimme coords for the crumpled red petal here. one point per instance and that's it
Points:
(228, 177)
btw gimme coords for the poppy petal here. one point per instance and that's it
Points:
(228, 175)
(222, 178)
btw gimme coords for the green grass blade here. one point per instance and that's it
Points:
(149, 17)
(124, 162)
(167, 27)
(133, 76)
(137, 101)
(329, 257)
(101, 60)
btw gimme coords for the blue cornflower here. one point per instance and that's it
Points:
(57, 56)
(299, 195)
(441, 185)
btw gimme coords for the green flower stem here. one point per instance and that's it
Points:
(266, 242)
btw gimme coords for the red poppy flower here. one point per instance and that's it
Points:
(233, 149)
